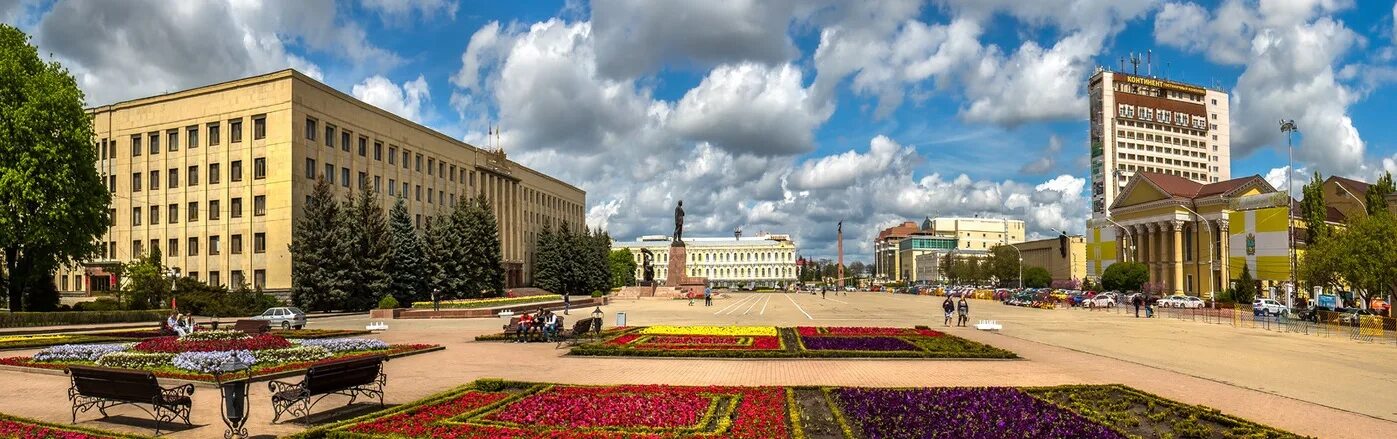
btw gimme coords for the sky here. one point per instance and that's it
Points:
(778, 116)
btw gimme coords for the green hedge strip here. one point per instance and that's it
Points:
(31, 319)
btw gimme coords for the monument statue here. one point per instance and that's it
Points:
(648, 268)
(679, 223)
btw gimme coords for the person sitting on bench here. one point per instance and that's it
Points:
(176, 325)
(522, 330)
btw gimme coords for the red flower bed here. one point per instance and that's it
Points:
(592, 412)
(173, 345)
(24, 430)
(696, 342)
(854, 331)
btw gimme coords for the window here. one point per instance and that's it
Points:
(154, 215)
(174, 140)
(135, 216)
(404, 194)
(406, 158)
(378, 151)
(431, 163)
(259, 127)
(259, 279)
(154, 180)
(310, 168)
(363, 146)
(137, 248)
(135, 182)
(259, 205)
(419, 162)
(213, 133)
(154, 139)
(430, 191)
(173, 214)
(112, 181)
(193, 211)
(193, 248)
(235, 208)
(214, 209)
(441, 168)
(453, 173)
(1164, 116)
(191, 137)
(419, 192)
(193, 175)
(136, 145)
(330, 173)
(259, 242)
(392, 153)
(173, 247)
(215, 248)
(363, 180)
(392, 187)
(344, 177)
(310, 129)
(259, 168)
(344, 140)
(235, 130)
(174, 178)
(235, 171)
(235, 278)
(213, 173)
(329, 135)
(1146, 113)
(235, 244)
(378, 184)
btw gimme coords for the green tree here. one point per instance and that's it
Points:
(319, 280)
(409, 271)
(484, 248)
(369, 248)
(440, 241)
(548, 264)
(1313, 209)
(1003, 264)
(1368, 260)
(1320, 265)
(53, 205)
(1036, 277)
(623, 268)
(1376, 198)
(1125, 276)
(597, 258)
(1245, 289)
(146, 285)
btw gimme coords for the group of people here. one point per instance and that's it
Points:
(962, 308)
(180, 324)
(543, 324)
(1145, 300)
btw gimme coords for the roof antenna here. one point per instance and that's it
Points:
(1149, 62)
(1134, 64)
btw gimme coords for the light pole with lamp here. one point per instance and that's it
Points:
(1211, 260)
(173, 273)
(1129, 236)
(1288, 127)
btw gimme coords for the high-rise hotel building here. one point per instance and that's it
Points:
(1141, 123)
(216, 176)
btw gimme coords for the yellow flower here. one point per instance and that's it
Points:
(29, 337)
(735, 331)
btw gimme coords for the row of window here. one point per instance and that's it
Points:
(191, 138)
(192, 248)
(1195, 176)
(1162, 116)
(1161, 160)
(235, 174)
(235, 210)
(1164, 150)
(1171, 129)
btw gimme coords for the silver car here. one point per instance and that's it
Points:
(284, 317)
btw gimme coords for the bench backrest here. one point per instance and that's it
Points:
(115, 384)
(582, 326)
(513, 323)
(252, 326)
(340, 375)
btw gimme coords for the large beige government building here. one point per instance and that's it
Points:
(767, 260)
(216, 176)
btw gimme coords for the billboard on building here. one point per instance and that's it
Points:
(1259, 240)
(1101, 248)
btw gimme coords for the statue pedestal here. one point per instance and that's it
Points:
(678, 275)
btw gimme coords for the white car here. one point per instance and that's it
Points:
(1104, 300)
(1269, 306)
(1175, 301)
(1190, 302)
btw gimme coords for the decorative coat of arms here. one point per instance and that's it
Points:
(1251, 244)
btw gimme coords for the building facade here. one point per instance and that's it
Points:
(765, 261)
(216, 176)
(1065, 257)
(886, 264)
(976, 233)
(1147, 124)
(913, 251)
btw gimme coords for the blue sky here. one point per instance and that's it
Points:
(782, 116)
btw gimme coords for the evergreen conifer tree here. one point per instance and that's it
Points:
(317, 281)
(369, 248)
(408, 269)
(547, 270)
(1376, 198)
(436, 238)
(485, 249)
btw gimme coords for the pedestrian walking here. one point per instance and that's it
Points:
(1137, 301)
(567, 303)
(707, 295)
(963, 310)
(949, 308)
(1149, 307)
(822, 292)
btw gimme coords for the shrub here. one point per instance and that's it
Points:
(199, 298)
(135, 360)
(292, 355)
(28, 319)
(102, 304)
(388, 302)
(596, 294)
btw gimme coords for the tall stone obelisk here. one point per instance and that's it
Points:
(840, 237)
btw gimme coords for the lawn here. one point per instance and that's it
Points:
(798, 342)
(195, 356)
(494, 408)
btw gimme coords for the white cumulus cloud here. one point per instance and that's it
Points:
(405, 101)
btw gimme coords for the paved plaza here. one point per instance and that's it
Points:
(1326, 387)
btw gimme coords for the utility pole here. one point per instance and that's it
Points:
(1288, 127)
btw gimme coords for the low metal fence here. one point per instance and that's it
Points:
(1365, 328)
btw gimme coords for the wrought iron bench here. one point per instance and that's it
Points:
(102, 388)
(353, 378)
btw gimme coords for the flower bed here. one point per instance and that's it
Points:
(197, 357)
(487, 303)
(17, 427)
(46, 340)
(773, 342)
(494, 409)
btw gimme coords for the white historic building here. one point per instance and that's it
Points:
(759, 261)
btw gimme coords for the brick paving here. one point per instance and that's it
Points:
(1253, 374)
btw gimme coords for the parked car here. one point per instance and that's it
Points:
(1268, 306)
(284, 317)
(1190, 302)
(1103, 300)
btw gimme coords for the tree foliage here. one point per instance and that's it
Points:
(623, 268)
(1003, 265)
(1313, 209)
(408, 269)
(368, 248)
(318, 262)
(576, 263)
(146, 285)
(484, 248)
(1037, 277)
(1376, 198)
(53, 204)
(1244, 290)
(1125, 276)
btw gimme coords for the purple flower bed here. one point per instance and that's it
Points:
(857, 344)
(959, 412)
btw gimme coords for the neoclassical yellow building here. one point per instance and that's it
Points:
(760, 261)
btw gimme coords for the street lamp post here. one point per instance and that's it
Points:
(1211, 261)
(1288, 127)
(173, 273)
